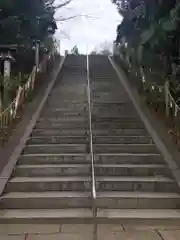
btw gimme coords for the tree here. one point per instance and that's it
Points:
(23, 22)
(75, 50)
(103, 49)
(149, 33)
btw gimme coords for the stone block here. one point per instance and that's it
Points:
(170, 235)
(28, 228)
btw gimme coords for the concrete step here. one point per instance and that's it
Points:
(52, 170)
(85, 216)
(67, 125)
(43, 216)
(80, 125)
(82, 131)
(117, 125)
(55, 148)
(129, 158)
(85, 139)
(65, 110)
(138, 200)
(56, 114)
(113, 112)
(140, 216)
(132, 170)
(59, 132)
(114, 107)
(110, 103)
(122, 140)
(118, 132)
(125, 148)
(45, 200)
(66, 104)
(64, 119)
(114, 119)
(143, 184)
(58, 140)
(68, 158)
(42, 184)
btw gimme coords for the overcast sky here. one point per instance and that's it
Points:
(97, 25)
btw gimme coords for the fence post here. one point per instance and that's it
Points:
(167, 98)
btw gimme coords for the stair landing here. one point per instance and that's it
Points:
(85, 231)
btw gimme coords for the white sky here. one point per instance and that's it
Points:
(88, 32)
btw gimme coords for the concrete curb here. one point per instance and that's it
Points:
(7, 171)
(159, 143)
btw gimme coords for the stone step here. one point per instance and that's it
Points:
(125, 148)
(59, 140)
(143, 184)
(113, 112)
(131, 158)
(132, 170)
(123, 119)
(42, 184)
(46, 200)
(63, 119)
(65, 110)
(118, 132)
(85, 216)
(53, 101)
(99, 125)
(140, 216)
(69, 158)
(109, 200)
(110, 103)
(55, 148)
(117, 125)
(51, 170)
(43, 216)
(96, 132)
(59, 132)
(85, 139)
(107, 105)
(122, 140)
(55, 114)
(67, 125)
(138, 200)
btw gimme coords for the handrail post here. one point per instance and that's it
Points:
(93, 189)
(167, 98)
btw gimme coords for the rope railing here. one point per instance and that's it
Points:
(23, 92)
(93, 190)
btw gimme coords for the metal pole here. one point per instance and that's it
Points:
(37, 46)
(167, 98)
(37, 56)
(94, 207)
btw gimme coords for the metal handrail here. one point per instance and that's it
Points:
(91, 151)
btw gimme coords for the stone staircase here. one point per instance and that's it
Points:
(132, 178)
(52, 180)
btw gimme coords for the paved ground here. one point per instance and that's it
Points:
(81, 232)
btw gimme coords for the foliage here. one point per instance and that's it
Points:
(75, 50)
(156, 32)
(23, 22)
(103, 48)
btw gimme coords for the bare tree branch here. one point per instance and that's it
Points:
(63, 4)
(72, 17)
